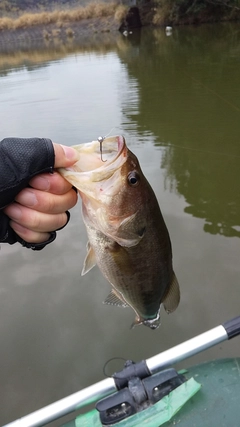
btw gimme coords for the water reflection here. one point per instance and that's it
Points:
(161, 93)
(35, 53)
(209, 183)
(189, 99)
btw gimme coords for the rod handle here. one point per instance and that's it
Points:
(232, 327)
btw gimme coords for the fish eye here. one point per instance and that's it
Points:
(133, 178)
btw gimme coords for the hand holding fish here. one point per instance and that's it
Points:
(128, 238)
(41, 206)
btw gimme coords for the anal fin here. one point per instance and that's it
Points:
(114, 298)
(172, 297)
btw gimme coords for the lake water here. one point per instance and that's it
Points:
(176, 99)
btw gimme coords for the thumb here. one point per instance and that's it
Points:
(64, 156)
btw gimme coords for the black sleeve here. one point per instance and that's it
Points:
(20, 160)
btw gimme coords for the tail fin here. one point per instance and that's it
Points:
(172, 297)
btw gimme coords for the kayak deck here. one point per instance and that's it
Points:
(215, 404)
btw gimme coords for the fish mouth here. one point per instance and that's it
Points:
(95, 172)
(150, 323)
(99, 156)
(98, 163)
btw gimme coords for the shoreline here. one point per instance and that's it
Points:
(51, 34)
(88, 31)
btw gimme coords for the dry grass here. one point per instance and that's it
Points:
(5, 23)
(69, 32)
(160, 17)
(163, 13)
(55, 32)
(58, 17)
(46, 34)
(120, 13)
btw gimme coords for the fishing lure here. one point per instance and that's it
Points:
(100, 140)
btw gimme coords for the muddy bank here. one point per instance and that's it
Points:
(74, 32)
(87, 31)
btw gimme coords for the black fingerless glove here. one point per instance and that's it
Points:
(20, 160)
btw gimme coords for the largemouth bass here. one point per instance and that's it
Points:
(128, 238)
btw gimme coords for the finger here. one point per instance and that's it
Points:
(54, 183)
(29, 235)
(45, 202)
(65, 156)
(34, 220)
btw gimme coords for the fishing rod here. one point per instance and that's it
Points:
(95, 392)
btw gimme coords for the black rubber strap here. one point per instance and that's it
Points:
(7, 235)
(37, 246)
(232, 327)
(130, 370)
(68, 218)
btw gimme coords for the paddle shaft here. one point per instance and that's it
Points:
(156, 363)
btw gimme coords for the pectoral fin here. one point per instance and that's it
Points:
(114, 298)
(90, 260)
(172, 297)
(121, 231)
(130, 232)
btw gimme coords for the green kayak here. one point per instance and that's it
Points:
(215, 404)
(152, 393)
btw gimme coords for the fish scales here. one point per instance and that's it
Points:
(128, 238)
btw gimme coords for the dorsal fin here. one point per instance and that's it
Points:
(172, 297)
(115, 299)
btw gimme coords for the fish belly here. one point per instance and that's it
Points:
(135, 273)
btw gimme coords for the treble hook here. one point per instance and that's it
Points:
(100, 140)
